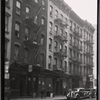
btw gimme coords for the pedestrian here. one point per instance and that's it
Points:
(43, 93)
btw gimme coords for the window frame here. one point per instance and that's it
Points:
(16, 56)
(50, 44)
(51, 11)
(18, 8)
(7, 24)
(18, 31)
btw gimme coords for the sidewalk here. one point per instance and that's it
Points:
(47, 98)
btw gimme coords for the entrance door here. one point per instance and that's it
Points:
(22, 85)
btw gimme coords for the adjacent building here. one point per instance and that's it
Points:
(50, 47)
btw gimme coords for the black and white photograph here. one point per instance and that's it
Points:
(50, 50)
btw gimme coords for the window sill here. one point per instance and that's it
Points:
(6, 32)
(7, 6)
(50, 50)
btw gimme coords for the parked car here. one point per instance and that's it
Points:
(77, 94)
(72, 95)
(91, 93)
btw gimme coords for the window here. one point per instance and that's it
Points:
(17, 29)
(56, 45)
(56, 30)
(42, 60)
(50, 27)
(26, 55)
(26, 33)
(70, 25)
(65, 66)
(6, 23)
(7, 3)
(43, 21)
(61, 47)
(35, 20)
(42, 40)
(61, 16)
(51, 11)
(55, 61)
(70, 67)
(36, 1)
(27, 12)
(50, 62)
(70, 38)
(18, 7)
(56, 14)
(66, 49)
(60, 64)
(6, 46)
(71, 53)
(66, 20)
(50, 44)
(16, 52)
(61, 32)
(43, 2)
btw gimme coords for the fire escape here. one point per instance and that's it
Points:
(61, 54)
(32, 42)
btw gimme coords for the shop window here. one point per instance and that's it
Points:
(18, 7)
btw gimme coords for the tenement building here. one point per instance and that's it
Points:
(50, 47)
(80, 52)
(57, 45)
(28, 47)
(8, 28)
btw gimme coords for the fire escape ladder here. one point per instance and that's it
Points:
(38, 30)
(37, 12)
(36, 52)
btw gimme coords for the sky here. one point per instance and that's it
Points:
(87, 10)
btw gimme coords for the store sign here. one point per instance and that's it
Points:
(30, 68)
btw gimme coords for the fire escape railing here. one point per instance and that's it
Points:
(35, 47)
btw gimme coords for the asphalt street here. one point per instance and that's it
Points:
(81, 99)
(58, 98)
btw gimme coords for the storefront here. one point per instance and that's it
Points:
(28, 81)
